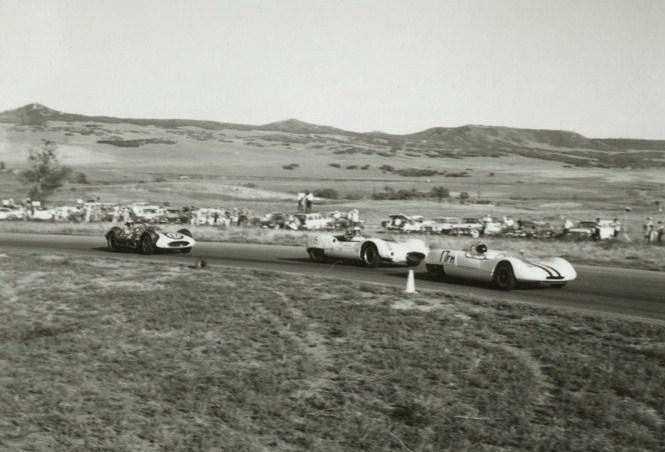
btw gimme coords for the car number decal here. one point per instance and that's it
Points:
(173, 235)
(447, 258)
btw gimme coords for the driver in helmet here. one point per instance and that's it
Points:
(479, 249)
(130, 229)
(351, 234)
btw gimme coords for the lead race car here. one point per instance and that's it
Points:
(505, 270)
(148, 239)
(370, 251)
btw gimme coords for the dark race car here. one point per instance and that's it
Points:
(148, 239)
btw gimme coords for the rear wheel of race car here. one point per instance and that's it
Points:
(147, 247)
(504, 278)
(316, 255)
(370, 255)
(185, 232)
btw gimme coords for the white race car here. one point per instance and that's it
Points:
(371, 251)
(504, 269)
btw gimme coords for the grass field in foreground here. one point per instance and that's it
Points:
(108, 354)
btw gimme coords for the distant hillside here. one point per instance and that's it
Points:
(440, 142)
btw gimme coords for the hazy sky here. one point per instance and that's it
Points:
(596, 67)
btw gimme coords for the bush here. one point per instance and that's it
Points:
(439, 192)
(352, 167)
(417, 172)
(80, 178)
(290, 166)
(335, 165)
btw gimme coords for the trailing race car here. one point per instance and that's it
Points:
(148, 239)
(504, 269)
(371, 251)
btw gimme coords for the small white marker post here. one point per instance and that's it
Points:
(410, 283)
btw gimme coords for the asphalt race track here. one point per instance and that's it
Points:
(608, 290)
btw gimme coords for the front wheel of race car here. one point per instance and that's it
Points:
(370, 255)
(504, 278)
(316, 255)
(147, 247)
(110, 242)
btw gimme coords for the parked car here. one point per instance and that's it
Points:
(312, 221)
(275, 220)
(586, 230)
(403, 223)
(41, 213)
(440, 225)
(468, 226)
(10, 214)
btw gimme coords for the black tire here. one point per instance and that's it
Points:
(147, 247)
(316, 255)
(370, 255)
(110, 241)
(185, 232)
(504, 278)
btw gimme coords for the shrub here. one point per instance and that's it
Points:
(417, 172)
(439, 192)
(352, 167)
(80, 178)
(290, 166)
(335, 165)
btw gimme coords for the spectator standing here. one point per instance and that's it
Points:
(309, 201)
(660, 231)
(301, 202)
(596, 230)
(616, 225)
(648, 229)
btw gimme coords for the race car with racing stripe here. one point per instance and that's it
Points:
(505, 270)
(370, 251)
(149, 239)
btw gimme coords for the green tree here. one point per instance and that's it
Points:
(45, 173)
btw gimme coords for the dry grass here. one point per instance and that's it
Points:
(122, 355)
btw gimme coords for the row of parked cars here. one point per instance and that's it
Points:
(470, 226)
(475, 227)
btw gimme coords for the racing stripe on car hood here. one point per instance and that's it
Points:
(558, 274)
(544, 268)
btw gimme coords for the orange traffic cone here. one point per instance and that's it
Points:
(410, 283)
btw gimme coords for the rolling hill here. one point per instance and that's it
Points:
(439, 142)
